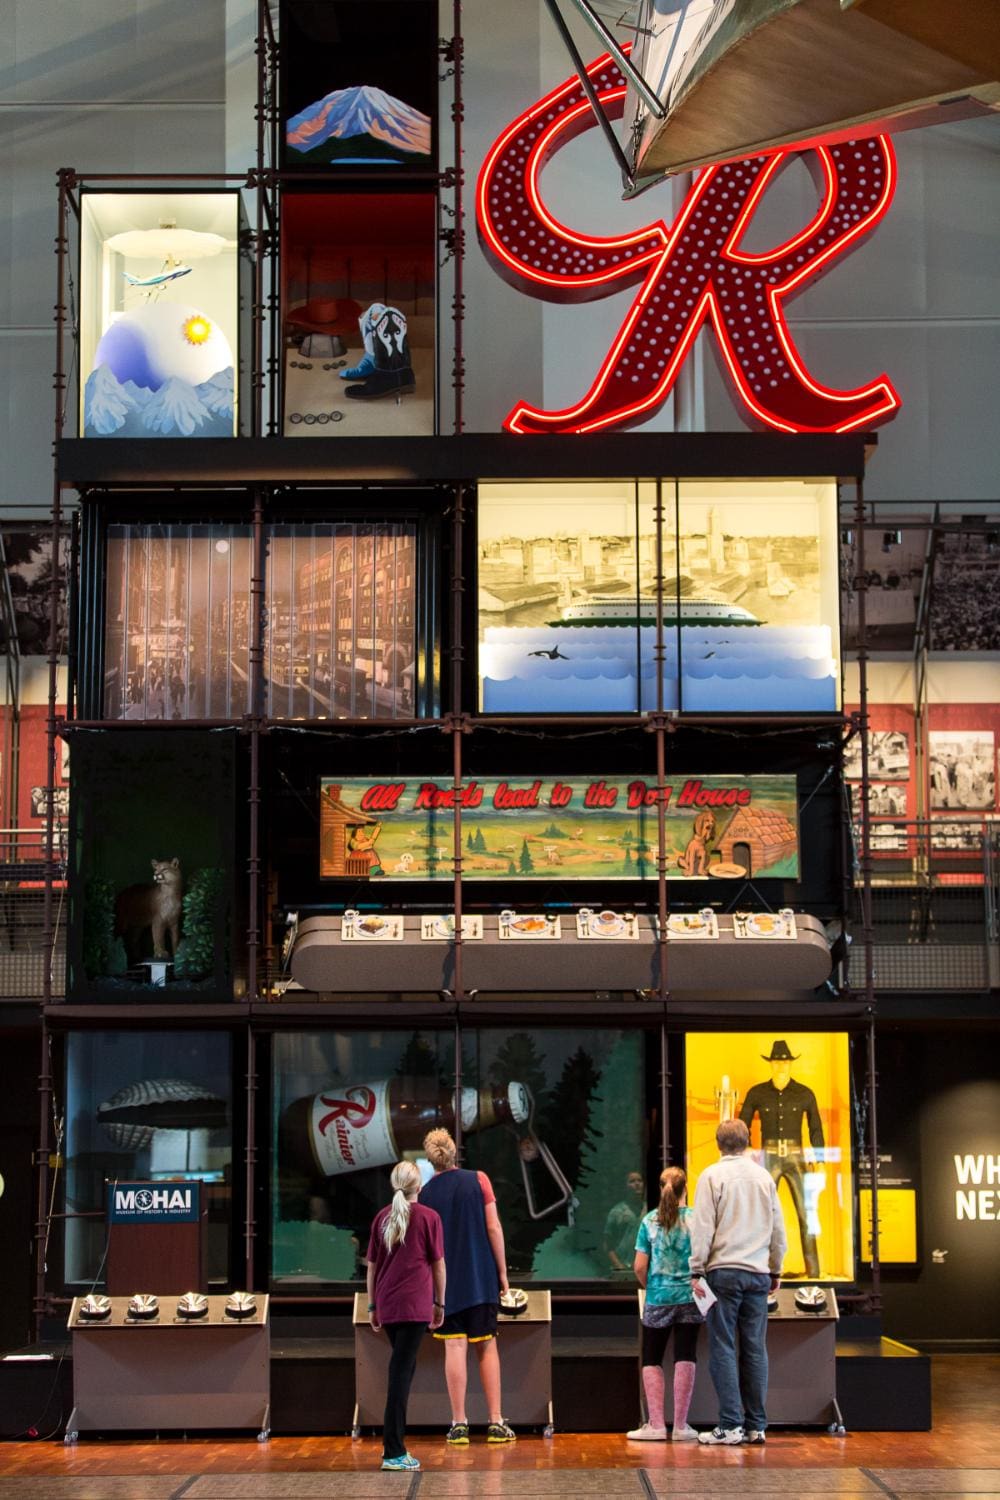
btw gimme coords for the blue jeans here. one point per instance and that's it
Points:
(740, 1380)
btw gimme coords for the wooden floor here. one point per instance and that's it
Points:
(960, 1457)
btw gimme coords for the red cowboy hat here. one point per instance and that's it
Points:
(326, 315)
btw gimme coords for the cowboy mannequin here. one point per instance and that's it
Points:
(781, 1104)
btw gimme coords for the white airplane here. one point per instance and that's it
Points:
(151, 285)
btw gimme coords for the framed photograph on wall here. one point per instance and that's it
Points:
(888, 755)
(962, 769)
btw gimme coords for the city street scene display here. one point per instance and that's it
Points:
(793, 1092)
(158, 314)
(340, 621)
(553, 1117)
(544, 828)
(573, 582)
(359, 83)
(152, 1105)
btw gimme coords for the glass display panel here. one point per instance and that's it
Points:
(158, 314)
(358, 314)
(794, 1093)
(758, 570)
(148, 1106)
(359, 81)
(152, 882)
(178, 612)
(561, 571)
(341, 634)
(554, 1117)
(571, 578)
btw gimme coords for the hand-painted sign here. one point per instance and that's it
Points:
(690, 271)
(545, 828)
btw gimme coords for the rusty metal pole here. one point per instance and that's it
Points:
(457, 729)
(42, 1169)
(867, 930)
(256, 653)
(458, 301)
(250, 1217)
(66, 178)
(660, 732)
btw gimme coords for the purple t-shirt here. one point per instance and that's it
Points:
(404, 1287)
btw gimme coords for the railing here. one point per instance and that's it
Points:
(24, 953)
(935, 903)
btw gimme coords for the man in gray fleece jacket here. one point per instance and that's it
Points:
(738, 1245)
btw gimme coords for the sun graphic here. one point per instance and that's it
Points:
(196, 329)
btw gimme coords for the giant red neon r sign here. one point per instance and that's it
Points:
(689, 272)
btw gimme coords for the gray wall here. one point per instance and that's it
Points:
(102, 86)
(167, 85)
(920, 299)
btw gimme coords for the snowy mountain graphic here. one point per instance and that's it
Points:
(177, 409)
(363, 121)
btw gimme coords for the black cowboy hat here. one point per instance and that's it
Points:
(780, 1053)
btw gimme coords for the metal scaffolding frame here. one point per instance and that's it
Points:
(253, 1012)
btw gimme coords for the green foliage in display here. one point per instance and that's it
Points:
(195, 956)
(103, 952)
(587, 1092)
(526, 863)
(320, 1252)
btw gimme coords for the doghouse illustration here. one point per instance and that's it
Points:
(756, 837)
(347, 838)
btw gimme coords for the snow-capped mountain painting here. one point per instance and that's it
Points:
(177, 409)
(360, 124)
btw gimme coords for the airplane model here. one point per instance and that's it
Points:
(152, 285)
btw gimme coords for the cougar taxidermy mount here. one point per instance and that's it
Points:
(155, 907)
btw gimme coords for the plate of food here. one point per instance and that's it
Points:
(692, 924)
(686, 922)
(372, 926)
(765, 924)
(443, 926)
(528, 924)
(607, 923)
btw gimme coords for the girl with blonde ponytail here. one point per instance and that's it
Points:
(662, 1266)
(405, 1181)
(406, 1282)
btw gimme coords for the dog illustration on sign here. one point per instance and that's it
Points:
(694, 860)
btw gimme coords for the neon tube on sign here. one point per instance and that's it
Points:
(690, 272)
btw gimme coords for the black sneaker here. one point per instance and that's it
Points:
(458, 1435)
(500, 1432)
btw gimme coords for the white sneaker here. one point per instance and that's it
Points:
(647, 1434)
(718, 1435)
(684, 1434)
(755, 1435)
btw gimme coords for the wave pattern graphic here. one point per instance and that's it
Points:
(776, 669)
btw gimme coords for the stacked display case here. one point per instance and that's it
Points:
(565, 715)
